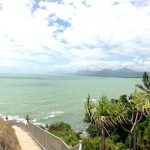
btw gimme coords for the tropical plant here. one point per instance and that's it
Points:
(91, 129)
(139, 106)
(99, 114)
(146, 82)
(121, 118)
(88, 106)
(143, 136)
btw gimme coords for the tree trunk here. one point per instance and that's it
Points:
(134, 139)
(130, 141)
(102, 145)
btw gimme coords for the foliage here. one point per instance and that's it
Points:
(64, 131)
(143, 135)
(91, 143)
(27, 117)
(71, 139)
(92, 130)
(61, 126)
(146, 83)
(119, 121)
(110, 145)
(123, 98)
(99, 114)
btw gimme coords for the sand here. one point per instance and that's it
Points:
(25, 140)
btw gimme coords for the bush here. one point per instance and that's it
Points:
(91, 143)
(71, 139)
(94, 144)
(143, 134)
(110, 145)
(64, 131)
(92, 130)
(60, 126)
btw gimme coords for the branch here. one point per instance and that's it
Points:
(132, 115)
(126, 130)
(137, 113)
(141, 115)
(135, 121)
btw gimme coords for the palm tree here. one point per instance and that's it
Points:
(146, 82)
(105, 113)
(98, 113)
(146, 89)
(100, 116)
(88, 106)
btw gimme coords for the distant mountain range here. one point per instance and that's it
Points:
(123, 73)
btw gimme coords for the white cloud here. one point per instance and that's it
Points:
(75, 35)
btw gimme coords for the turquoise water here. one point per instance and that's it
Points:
(51, 99)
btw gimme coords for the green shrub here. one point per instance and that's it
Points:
(71, 139)
(110, 145)
(64, 131)
(91, 143)
(60, 126)
(115, 138)
(143, 134)
(120, 146)
(92, 130)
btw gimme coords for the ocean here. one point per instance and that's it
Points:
(49, 99)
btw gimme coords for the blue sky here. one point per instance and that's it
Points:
(40, 36)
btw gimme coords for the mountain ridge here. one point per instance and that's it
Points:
(123, 72)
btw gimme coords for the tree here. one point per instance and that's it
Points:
(127, 113)
(98, 113)
(146, 88)
(88, 106)
(146, 82)
(139, 106)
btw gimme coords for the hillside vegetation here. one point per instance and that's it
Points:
(8, 139)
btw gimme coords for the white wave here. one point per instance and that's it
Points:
(57, 112)
(33, 120)
(54, 114)
(51, 116)
(1, 115)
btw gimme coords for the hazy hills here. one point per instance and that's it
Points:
(124, 73)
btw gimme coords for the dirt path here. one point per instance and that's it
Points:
(25, 140)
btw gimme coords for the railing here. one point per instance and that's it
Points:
(46, 140)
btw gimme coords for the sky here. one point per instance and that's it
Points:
(45, 36)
